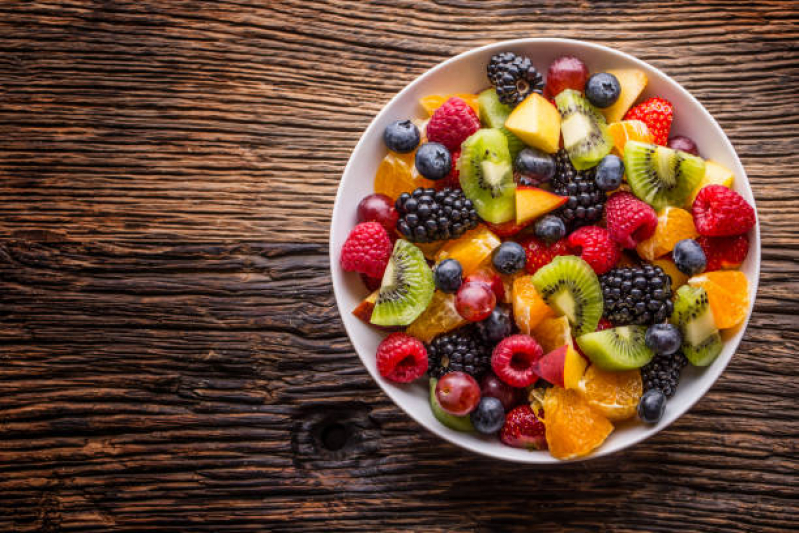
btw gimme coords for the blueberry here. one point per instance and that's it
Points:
(550, 229)
(689, 257)
(433, 161)
(508, 258)
(448, 276)
(489, 417)
(651, 406)
(536, 166)
(497, 326)
(602, 89)
(609, 173)
(663, 339)
(401, 136)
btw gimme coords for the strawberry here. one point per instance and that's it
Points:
(724, 252)
(453, 178)
(540, 253)
(524, 429)
(657, 114)
(722, 212)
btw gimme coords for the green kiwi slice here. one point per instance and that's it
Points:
(486, 175)
(584, 129)
(701, 342)
(661, 176)
(493, 114)
(458, 423)
(617, 349)
(570, 286)
(407, 287)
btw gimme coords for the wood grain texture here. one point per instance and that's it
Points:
(171, 358)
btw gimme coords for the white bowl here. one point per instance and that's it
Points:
(465, 73)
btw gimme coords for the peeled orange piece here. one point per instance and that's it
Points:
(439, 317)
(674, 225)
(433, 101)
(552, 333)
(529, 308)
(470, 249)
(728, 295)
(614, 394)
(629, 130)
(397, 174)
(573, 427)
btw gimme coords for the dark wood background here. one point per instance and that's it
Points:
(170, 354)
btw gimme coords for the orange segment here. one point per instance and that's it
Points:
(552, 333)
(727, 293)
(430, 249)
(674, 225)
(439, 317)
(614, 394)
(470, 249)
(628, 130)
(529, 308)
(432, 102)
(397, 174)
(573, 427)
(678, 279)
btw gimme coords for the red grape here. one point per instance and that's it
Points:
(492, 386)
(457, 393)
(490, 278)
(684, 144)
(566, 72)
(378, 208)
(475, 301)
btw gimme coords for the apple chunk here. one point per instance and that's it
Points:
(532, 202)
(562, 367)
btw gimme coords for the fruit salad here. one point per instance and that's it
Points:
(548, 254)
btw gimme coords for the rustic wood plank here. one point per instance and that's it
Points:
(170, 353)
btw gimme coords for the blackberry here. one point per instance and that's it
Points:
(461, 350)
(663, 373)
(514, 77)
(427, 215)
(640, 295)
(586, 200)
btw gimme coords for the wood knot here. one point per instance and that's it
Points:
(333, 433)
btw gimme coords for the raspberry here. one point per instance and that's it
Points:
(513, 358)
(657, 114)
(524, 429)
(367, 250)
(724, 252)
(595, 247)
(452, 123)
(453, 178)
(540, 254)
(401, 358)
(629, 220)
(371, 283)
(722, 212)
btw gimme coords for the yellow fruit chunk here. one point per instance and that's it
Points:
(728, 295)
(674, 225)
(430, 249)
(632, 83)
(439, 317)
(470, 249)
(537, 123)
(715, 174)
(628, 130)
(573, 427)
(397, 174)
(552, 333)
(432, 102)
(678, 279)
(614, 394)
(529, 309)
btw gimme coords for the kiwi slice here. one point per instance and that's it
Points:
(493, 114)
(617, 349)
(486, 175)
(407, 287)
(458, 423)
(585, 132)
(570, 286)
(661, 176)
(701, 342)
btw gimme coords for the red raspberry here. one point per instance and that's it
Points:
(657, 114)
(524, 429)
(540, 254)
(596, 247)
(452, 123)
(722, 212)
(513, 359)
(453, 178)
(724, 252)
(629, 220)
(401, 358)
(371, 283)
(367, 250)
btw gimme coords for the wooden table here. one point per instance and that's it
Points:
(171, 356)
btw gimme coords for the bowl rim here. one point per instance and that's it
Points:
(716, 369)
